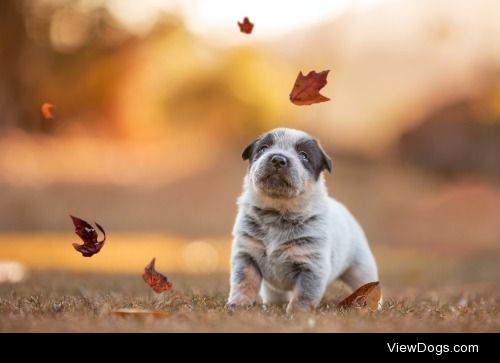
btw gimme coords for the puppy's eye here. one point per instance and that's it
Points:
(262, 149)
(303, 156)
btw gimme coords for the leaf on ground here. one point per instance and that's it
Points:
(140, 313)
(368, 295)
(47, 111)
(157, 281)
(246, 27)
(88, 234)
(305, 91)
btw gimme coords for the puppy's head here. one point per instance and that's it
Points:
(284, 163)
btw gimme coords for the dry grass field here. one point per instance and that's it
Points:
(436, 245)
(422, 293)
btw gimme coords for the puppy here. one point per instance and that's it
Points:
(290, 238)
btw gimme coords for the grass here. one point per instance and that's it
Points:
(436, 245)
(84, 302)
(424, 290)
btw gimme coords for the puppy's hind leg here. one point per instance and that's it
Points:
(358, 275)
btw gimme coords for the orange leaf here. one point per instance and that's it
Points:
(366, 296)
(306, 88)
(47, 111)
(157, 281)
(246, 26)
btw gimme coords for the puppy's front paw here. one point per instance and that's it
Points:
(239, 302)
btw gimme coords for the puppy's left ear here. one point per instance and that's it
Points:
(247, 153)
(327, 162)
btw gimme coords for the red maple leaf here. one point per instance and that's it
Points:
(246, 26)
(306, 88)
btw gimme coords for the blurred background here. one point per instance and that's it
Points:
(155, 100)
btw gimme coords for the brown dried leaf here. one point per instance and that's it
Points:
(246, 26)
(305, 91)
(88, 234)
(157, 281)
(368, 295)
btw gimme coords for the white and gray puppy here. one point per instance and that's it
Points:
(290, 238)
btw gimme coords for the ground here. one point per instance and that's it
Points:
(436, 243)
(83, 301)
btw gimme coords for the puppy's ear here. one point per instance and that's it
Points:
(247, 153)
(327, 162)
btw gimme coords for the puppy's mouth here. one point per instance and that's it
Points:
(277, 179)
(276, 185)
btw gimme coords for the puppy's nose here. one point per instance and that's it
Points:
(279, 161)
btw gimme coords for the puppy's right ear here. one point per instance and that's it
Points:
(247, 153)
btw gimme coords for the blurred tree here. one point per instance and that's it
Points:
(12, 41)
(462, 138)
(240, 95)
(102, 76)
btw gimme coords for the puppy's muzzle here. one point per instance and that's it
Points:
(279, 161)
(277, 176)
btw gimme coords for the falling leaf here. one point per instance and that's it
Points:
(140, 313)
(306, 88)
(366, 296)
(246, 26)
(156, 280)
(89, 237)
(47, 111)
